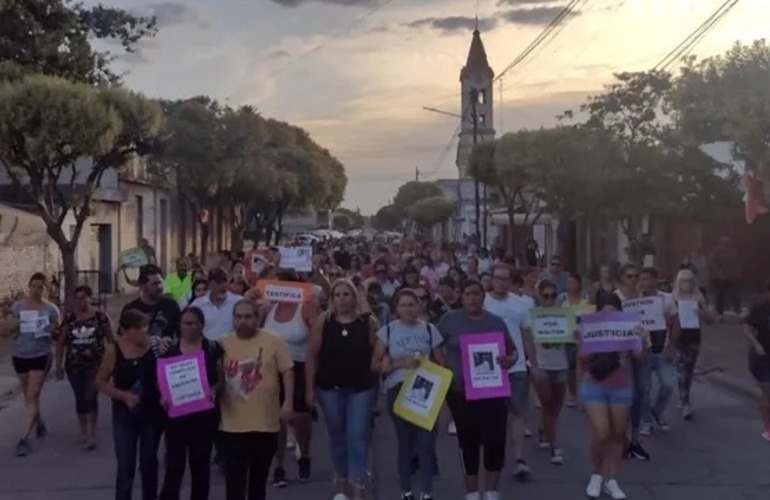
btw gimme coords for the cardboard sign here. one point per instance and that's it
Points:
(688, 314)
(285, 291)
(422, 394)
(298, 258)
(609, 332)
(650, 311)
(483, 377)
(133, 257)
(553, 325)
(184, 384)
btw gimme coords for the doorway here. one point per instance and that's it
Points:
(104, 242)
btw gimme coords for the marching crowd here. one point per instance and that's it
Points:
(373, 312)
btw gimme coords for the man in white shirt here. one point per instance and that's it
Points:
(514, 311)
(217, 306)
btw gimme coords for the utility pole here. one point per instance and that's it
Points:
(474, 100)
(417, 174)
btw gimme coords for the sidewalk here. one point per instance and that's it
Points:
(9, 384)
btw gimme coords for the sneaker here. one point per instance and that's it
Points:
(594, 488)
(638, 452)
(557, 456)
(687, 412)
(612, 490)
(473, 495)
(541, 442)
(279, 478)
(41, 431)
(340, 496)
(452, 429)
(661, 422)
(23, 448)
(491, 495)
(645, 430)
(407, 496)
(521, 470)
(303, 469)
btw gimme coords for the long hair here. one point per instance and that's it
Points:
(687, 274)
(346, 282)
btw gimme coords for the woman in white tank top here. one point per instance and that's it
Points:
(291, 322)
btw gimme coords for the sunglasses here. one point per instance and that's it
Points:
(549, 296)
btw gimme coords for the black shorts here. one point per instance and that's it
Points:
(300, 405)
(26, 365)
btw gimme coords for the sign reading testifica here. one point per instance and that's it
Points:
(284, 291)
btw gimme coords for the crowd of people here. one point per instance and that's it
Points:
(375, 312)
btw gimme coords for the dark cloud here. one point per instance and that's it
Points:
(176, 13)
(537, 16)
(453, 24)
(344, 3)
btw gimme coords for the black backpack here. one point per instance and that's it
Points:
(602, 365)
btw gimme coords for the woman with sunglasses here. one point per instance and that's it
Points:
(481, 424)
(550, 378)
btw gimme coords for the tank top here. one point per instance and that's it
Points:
(137, 375)
(294, 332)
(345, 358)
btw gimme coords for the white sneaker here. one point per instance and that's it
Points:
(452, 428)
(340, 496)
(594, 488)
(492, 495)
(645, 430)
(474, 495)
(612, 490)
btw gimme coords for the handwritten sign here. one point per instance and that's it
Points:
(650, 311)
(285, 291)
(33, 322)
(184, 384)
(298, 258)
(422, 394)
(609, 332)
(688, 314)
(133, 257)
(483, 377)
(553, 325)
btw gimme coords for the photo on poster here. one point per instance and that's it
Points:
(483, 362)
(421, 388)
(421, 393)
(485, 372)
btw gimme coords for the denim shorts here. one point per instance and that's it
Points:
(517, 403)
(553, 375)
(591, 392)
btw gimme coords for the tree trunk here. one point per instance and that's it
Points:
(70, 270)
(511, 229)
(204, 241)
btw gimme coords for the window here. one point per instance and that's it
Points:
(139, 219)
(482, 120)
(482, 96)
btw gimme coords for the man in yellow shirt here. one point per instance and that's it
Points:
(255, 363)
(177, 284)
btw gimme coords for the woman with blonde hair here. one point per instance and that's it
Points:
(345, 391)
(692, 310)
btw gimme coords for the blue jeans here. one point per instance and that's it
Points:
(348, 416)
(132, 432)
(412, 439)
(641, 384)
(656, 366)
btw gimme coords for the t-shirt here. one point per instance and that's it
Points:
(404, 341)
(759, 319)
(514, 312)
(456, 323)
(84, 339)
(252, 369)
(162, 316)
(33, 344)
(175, 286)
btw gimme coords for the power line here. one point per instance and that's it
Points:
(691, 41)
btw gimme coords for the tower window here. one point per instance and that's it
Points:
(482, 120)
(482, 96)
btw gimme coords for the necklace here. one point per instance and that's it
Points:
(344, 332)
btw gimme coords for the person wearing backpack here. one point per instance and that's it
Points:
(401, 346)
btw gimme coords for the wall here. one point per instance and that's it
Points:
(24, 249)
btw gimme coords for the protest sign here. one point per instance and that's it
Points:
(553, 325)
(285, 291)
(650, 311)
(483, 377)
(298, 258)
(184, 385)
(422, 394)
(609, 332)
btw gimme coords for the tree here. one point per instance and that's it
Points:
(387, 218)
(58, 138)
(346, 219)
(429, 211)
(727, 98)
(54, 37)
(412, 192)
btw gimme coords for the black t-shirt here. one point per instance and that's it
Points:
(162, 316)
(342, 258)
(759, 319)
(438, 308)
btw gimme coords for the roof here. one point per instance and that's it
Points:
(477, 63)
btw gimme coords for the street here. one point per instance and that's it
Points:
(718, 456)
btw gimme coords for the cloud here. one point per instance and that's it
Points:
(538, 16)
(176, 14)
(453, 24)
(344, 3)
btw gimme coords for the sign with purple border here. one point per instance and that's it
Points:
(609, 332)
(184, 385)
(483, 377)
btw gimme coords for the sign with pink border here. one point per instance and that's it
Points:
(483, 377)
(184, 385)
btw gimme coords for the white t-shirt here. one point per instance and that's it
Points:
(515, 313)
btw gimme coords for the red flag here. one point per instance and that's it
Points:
(754, 199)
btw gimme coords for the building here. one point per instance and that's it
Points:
(476, 126)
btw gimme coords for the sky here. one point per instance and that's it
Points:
(357, 73)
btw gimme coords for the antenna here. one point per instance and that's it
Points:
(477, 15)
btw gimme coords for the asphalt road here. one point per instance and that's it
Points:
(718, 456)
